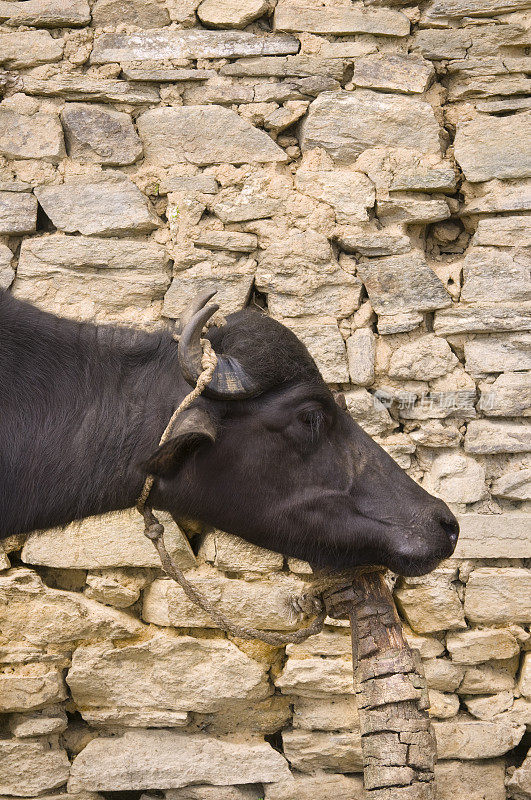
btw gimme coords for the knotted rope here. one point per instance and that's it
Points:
(309, 603)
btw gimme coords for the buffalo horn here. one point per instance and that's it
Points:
(229, 379)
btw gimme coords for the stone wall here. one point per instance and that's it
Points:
(360, 171)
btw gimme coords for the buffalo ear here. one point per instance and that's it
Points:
(193, 428)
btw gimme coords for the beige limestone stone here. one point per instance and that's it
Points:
(315, 676)
(325, 344)
(292, 17)
(325, 786)
(29, 48)
(502, 353)
(45, 13)
(504, 535)
(489, 319)
(428, 646)
(465, 738)
(233, 285)
(402, 283)
(24, 687)
(494, 147)
(38, 723)
(514, 485)
(326, 714)
(497, 596)
(477, 780)
(369, 412)
(395, 73)
(492, 275)
(262, 604)
(155, 682)
(303, 279)
(360, 354)
(221, 136)
(519, 782)
(233, 554)
(142, 13)
(308, 751)
(443, 706)
(473, 8)
(524, 681)
(350, 193)
(508, 396)
(197, 43)
(105, 209)
(411, 208)
(490, 706)
(508, 231)
(347, 123)
(403, 169)
(254, 716)
(86, 87)
(121, 280)
(18, 214)
(443, 675)
(96, 133)
(456, 478)
(231, 13)
(502, 436)
(489, 678)
(33, 614)
(329, 642)
(108, 540)
(36, 136)
(428, 608)
(475, 646)
(172, 760)
(205, 792)
(31, 767)
(226, 240)
(366, 242)
(116, 587)
(422, 359)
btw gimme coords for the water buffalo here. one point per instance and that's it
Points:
(266, 453)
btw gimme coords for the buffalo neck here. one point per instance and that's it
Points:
(82, 407)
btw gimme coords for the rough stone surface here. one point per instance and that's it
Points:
(18, 213)
(104, 209)
(265, 606)
(485, 354)
(33, 614)
(498, 596)
(408, 74)
(92, 278)
(358, 19)
(98, 134)
(497, 535)
(360, 354)
(308, 751)
(475, 646)
(326, 786)
(230, 13)
(402, 283)
(29, 48)
(31, 767)
(37, 136)
(481, 780)
(422, 359)
(472, 739)
(110, 685)
(172, 760)
(224, 137)
(346, 123)
(142, 13)
(492, 147)
(502, 436)
(109, 540)
(23, 688)
(110, 47)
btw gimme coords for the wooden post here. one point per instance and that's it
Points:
(398, 743)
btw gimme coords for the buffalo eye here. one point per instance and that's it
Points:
(312, 421)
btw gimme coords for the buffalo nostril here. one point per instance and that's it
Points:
(451, 528)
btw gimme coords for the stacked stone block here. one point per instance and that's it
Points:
(362, 172)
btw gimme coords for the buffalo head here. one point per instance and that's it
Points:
(269, 455)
